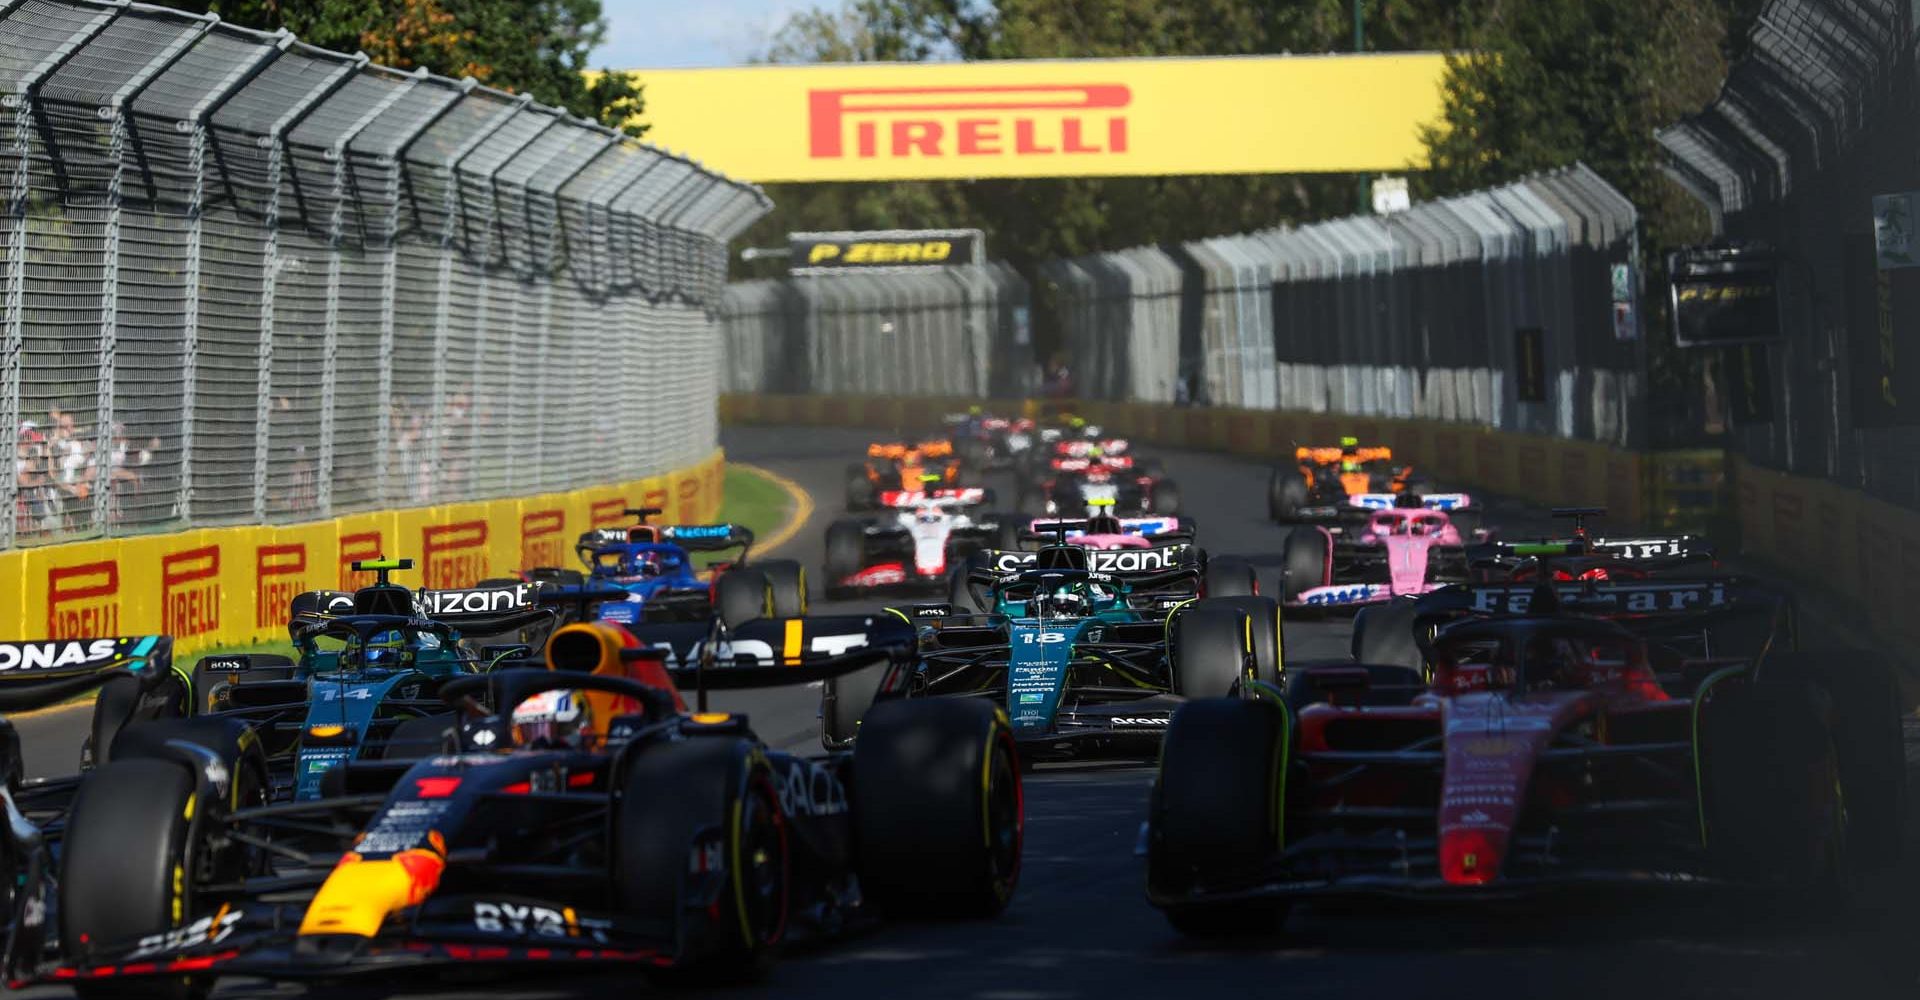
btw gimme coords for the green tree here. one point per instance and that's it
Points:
(536, 47)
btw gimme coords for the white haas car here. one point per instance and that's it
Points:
(920, 535)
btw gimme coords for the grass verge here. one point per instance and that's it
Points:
(756, 501)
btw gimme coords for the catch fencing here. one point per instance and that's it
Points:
(935, 331)
(252, 281)
(1814, 123)
(1516, 309)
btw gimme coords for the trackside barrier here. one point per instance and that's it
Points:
(219, 586)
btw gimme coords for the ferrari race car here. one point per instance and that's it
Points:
(1335, 483)
(578, 815)
(928, 533)
(1583, 735)
(654, 565)
(1081, 476)
(1089, 650)
(1584, 556)
(1402, 551)
(901, 466)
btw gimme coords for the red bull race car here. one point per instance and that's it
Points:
(578, 813)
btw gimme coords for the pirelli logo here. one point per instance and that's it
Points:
(83, 600)
(455, 554)
(190, 592)
(1050, 120)
(356, 547)
(541, 538)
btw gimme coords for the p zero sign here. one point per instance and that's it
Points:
(1051, 118)
(814, 253)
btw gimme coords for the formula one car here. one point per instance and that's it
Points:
(1103, 531)
(901, 466)
(928, 533)
(1585, 556)
(1089, 650)
(987, 443)
(368, 666)
(1331, 484)
(1538, 746)
(578, 816)
(654, 565)
(1083, 475)
(1401, 551)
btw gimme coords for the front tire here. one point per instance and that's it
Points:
(742, 595)
(1306, 561)
(1215, 809)
(1286, 494)
(1267, 634)
(939, 813)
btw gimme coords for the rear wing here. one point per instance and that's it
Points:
(1650, 553)
(1119, 562)
(1168, 529)
(42, 672)
(775, 652)
(1636, 599)
(972, 496)
(1443, 502)
(689, 537)
(473, 609)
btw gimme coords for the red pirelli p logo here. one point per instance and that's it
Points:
(456, 554)
(190, 592)
(900, 122)
(83, 600)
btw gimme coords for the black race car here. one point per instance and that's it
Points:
(578, 814)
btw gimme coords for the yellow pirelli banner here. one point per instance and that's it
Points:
(1052, 118)
(219, 586)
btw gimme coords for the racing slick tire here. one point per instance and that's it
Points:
(1267, 633)
(1164, 498)
(1214, 808)
(1868, 738)
(1209, 650)
(1383, 633)
(1305, 561)
(860, 489)
(846, 555)
(209, 684)
(1772, 795)
(938, 809)
(1230, 576)
(119, 888)
(1286, 494)
(742, 595)
(669, 791)
(124, 701)
(789, 582)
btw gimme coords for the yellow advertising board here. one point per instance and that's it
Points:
(218, 586)
(1050, 118)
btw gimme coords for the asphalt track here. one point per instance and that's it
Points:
(1079, 926)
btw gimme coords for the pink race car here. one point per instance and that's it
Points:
(1400, 551)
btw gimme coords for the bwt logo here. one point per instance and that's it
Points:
(83, 601)
(1037, 120)
(456, 554)
(607, 513)
(541, 543)
(278, 572)
(353, 548)
(190, 592)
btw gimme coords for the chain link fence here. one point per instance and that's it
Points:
(248, 280)
(952, 331)
(1812, 124)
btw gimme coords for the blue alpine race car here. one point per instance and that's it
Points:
(653, 564)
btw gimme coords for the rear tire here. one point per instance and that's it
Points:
(742, 595)
(846, 554)
(1214, 810)
(860, 489)
(1383, 633)
(669, 792)
(1165, 497)
(1208, 650)
(1269, 643)
(938, 811)
(1231, 576)
(1306, 561)
(1769, 778)
(1868, 738)
(116, 888)
(1286, 494)
(789, 582)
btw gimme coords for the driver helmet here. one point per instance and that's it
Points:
(646, 565)
(1066, 601)
(382, 649)
(552, 719)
